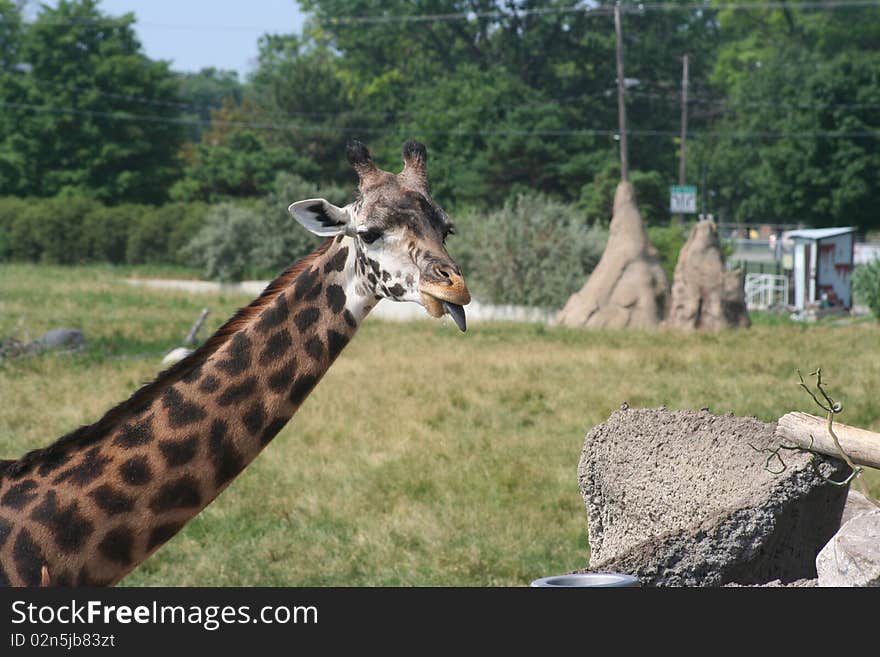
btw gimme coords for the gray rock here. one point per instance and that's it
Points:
(778, 583)
(60, 340)
(856, 505)
(679, 498)
(852, 556)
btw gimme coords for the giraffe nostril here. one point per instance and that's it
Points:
(443, 272)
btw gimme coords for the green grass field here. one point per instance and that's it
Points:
(425, 456)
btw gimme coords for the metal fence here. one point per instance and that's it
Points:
(765, 291)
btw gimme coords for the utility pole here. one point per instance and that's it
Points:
(682, 157)
(621, 101)
(684, 120)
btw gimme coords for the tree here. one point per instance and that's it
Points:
(487, 142)
(236, 159)
(798, 133)
(300, 86)
(88, 110)
(204, 92)
(11, 90)
(597, 196)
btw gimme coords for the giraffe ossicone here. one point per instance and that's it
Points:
(90, 507)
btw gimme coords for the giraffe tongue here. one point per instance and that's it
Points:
(457, 313)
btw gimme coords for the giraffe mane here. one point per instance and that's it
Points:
(147, 394)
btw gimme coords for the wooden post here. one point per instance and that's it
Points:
(811, 432)
(682, 155)
(621, 99)
(684, 120)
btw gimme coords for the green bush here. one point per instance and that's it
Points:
(51, 230)
(72, 228)
(105, 232)
(669, 240)
(159, 234)
(148, 237)
(289, 187)
(281, 240)
(187, 220)
(60, 230)
(224, 245)
(24, 232)
(10, 209)
(866, 284)
(533, 251)
(259, 239)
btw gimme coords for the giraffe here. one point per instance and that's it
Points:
(90, 507)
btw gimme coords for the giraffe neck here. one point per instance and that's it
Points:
(91, 508)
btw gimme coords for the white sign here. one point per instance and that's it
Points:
(683, 200)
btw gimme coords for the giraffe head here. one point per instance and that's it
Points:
(399, 233)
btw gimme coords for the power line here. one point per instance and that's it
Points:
(184, 106)
(145, 118)
(635, 8)
(673, 97)
(583, 10)
(670, 97)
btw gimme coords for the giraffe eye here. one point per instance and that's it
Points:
(370, 236)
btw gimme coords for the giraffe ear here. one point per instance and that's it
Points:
(322, 217)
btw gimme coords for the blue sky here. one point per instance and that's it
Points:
(194, 34)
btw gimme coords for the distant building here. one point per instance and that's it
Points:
(823, 263)
(866, 252)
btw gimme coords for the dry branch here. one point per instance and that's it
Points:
(811, 432)
(194, 331)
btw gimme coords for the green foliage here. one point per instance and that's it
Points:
(45, 230)
(10, 210)
(67, 115)
(205, 91)
(242, 165)
(814, 78)
(866, 284)
(158, 234)
(473, 169)
(669, 240)
(281, 241)
(224, 244)
(59, 229)
(533, 251)
(261, 238)
(597, 198)
(72, 228)
(783, 115)
(300, 83)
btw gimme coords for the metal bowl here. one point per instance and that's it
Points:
(591, 579)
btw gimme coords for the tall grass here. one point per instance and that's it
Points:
(425, 456)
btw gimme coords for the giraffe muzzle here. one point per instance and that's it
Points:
(446, 296)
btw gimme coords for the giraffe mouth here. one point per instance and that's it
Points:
(437, 307)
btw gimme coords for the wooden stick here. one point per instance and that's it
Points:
(811, 432)
(194, 331)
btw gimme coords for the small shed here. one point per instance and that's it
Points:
(823, 264)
